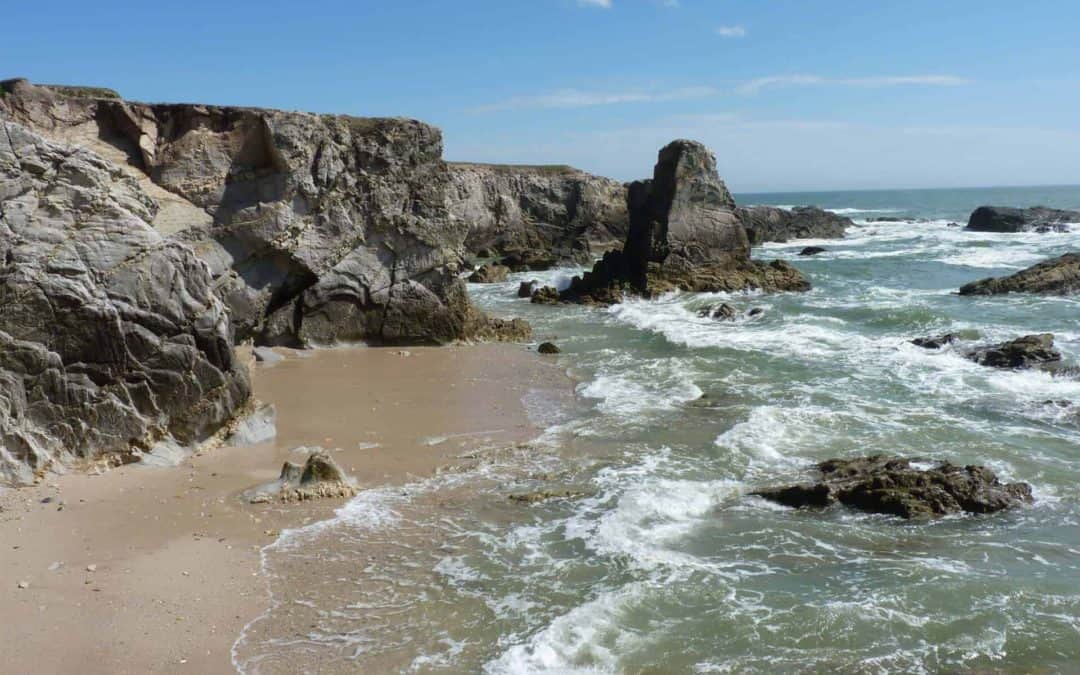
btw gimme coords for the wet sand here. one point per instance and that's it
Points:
(146, 569)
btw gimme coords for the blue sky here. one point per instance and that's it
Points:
(790, 94)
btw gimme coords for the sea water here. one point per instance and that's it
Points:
(662, 563)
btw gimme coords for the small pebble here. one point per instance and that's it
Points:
(24, 584)
(91, 568)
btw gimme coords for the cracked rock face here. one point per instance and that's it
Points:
(111, 337)
(316, 228)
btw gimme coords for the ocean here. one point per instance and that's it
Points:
(661, 562)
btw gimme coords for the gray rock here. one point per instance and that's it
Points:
(770, 223)
(684, 235)
(112, 341)
(318, 478)
(1007, 219)
(936, 342)
(555, 212)
(1059, 276)
(259, 426)
(1030, 351)
(723, 311)
(490, 274)
(266, 355)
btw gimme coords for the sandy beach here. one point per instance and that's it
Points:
(144, 569)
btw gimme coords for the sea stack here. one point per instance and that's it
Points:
(684, 235)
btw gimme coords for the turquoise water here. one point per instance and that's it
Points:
(666, 565)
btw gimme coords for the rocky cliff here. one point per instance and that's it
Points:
(684, 234)
(316, 228)
(558, 210)
(769, 223)
(112, 340)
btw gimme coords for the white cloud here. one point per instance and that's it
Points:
(576, 98)
(731, 31)
(756, 85)
(604, 4)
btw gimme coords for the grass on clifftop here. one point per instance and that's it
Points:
(82, 92)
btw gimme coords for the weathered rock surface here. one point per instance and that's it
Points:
(896, 486)
(490, 273)
(684, 235)
(320, 477)
(112, 341)
(555, 211)
(1030, 351)
(317, 228)
(1059, 276)
(1008, 219)
(769, 223)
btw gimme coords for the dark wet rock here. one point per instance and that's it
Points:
(494, 329)
(812, 250)
(936, 342)
(755, 311)
(545, 495)
(952, 225)
(527, 288)
(529, 261)
(1008, 219)
(723, 311)
(897, 486)
(112, 342)
(490, 274)
(556, 213)
(1030, 351)
(548, 348)
(319, 477)
(547, 295)
(684, 235)
(316, 228)
(1058, 276)
(769, 223)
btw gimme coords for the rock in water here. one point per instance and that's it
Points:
(111, 338)
(319, 477)
(490, 274)
(527, 288)
(547, 213)
(769, 223)
(548, 348)
(1059, 276)
(683, 235)
(893, 485)
(1030, 351)
(723, 311)
(811, 250)
(316, 228)
(1007, 219)
(935, 342)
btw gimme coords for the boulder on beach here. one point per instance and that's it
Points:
(771, 223)
(1008, 219)
(684, 235)
(1030, 351)
(901, 487)
(319, 477)
(1058, 276)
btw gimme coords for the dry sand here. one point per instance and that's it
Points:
(146, 569)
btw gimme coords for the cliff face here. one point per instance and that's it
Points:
(557, 210)
(315, 227)
(111, 338)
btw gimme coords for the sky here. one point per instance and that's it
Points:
(789, 94)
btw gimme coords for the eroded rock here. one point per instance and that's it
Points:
(490, 273)
(1030, 351)
(318, 478)
(1059, 276)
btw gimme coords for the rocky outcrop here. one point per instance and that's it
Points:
(489, 274)
(1007, 219)
(1030, 351)
(557, 212)
(112, 340)
(684, 235)
(769, 223)
(1059, 276)
(897, 486)
(319, 477)
(317, 228)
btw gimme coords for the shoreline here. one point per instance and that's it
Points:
(162, 570)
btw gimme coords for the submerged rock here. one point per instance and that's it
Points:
(545, 495)
(547, 295)
(490, 273)
(896, 486)
(684, 235)
(812, 250)
(1008, 219)
(266, 355)
(319, 477)
(769, 223)
(936, 342)
(723, 311)
(1058, 276)
(548, 348)
(1030, 351)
